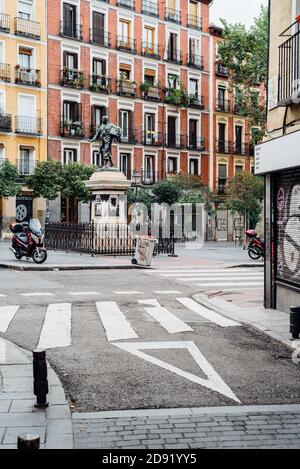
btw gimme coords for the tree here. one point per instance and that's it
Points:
(9, 174)
(167, 192)
(245, 53)
(143, 196)
(74, 175)
(47, 180)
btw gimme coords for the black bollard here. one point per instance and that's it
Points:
(27, 441)
(295, 322)
(40, 381)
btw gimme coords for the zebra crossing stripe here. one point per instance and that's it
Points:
(225, 284)
(114, 322)
(2, 296)
(37, 294)
(7, 314)
(207, 313)
(168, 320)
(56, 331)
(216, 274)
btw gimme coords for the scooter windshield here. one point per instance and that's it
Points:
(35, 227)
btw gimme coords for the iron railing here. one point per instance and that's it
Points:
(71, 30)
(174, 56)
(5, 122)
(4, 23)
(150, 177)
(5, 72)
(100, 84)
(28, 76)
(223, 105)
(126, 3)
(150, 8)
(126, 44)
(196, 102)
(175, 141)
(152, 93)
(196, 143)
(72, 78)
(72, 129)
(27, 28)
(126, 88)
(195, 61)
(26, 166)
(222, 186)
(28, 125)
(223, 146)
(173, 15)
(194, 22)
(221, 70)
(129, 136)
(152, 138)
(100, 38)
(289, 70)
(150, 50)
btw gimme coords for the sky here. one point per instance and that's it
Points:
(235, 11)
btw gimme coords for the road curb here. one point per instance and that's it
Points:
(29, 268)
(239, 266)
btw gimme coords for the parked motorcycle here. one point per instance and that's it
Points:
(256, 248)
(28, 241)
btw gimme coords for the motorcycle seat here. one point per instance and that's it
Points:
(22, 237)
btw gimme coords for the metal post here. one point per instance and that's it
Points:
(40, 380)
(295, 322)
(28, 441)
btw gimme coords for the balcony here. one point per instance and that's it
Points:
(4, 23)
(196, 102)
(150, 8)
(149, 177)
(71, 30)
(5, 72)
(174, 56)
(100, 38)
(237, 109)
(223, 105)
(126, 44)
(28, 76)
(126, 88)
(27, 28)
(194, 22)
(195, 61)
(150, 92)
(289, 70)
(150, 50)
(173, 15)
(239, 149)
(72, 78)
(176, 141)
(221, 70)
(129, 136)
(25, 166)
(5, 122)
(223, 146)
(130, 4)
(28, 125)
(72, 129)
(152, 138)
(222, 186)
(196, 143)
(100, 84)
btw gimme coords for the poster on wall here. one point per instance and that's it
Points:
(23, 208)
(288, 227)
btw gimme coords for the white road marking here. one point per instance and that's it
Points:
(218, 279)
(167, 292)
(56, 331)
(38, 294)
(175, 271)
(114, 322)
(83, 293)
(241, 288)
(207, 313)
(168, 320)
(216, 274)
(2, 296)
(213, 381)
(152, 302)
(225, 284)
(7, 314)
(128, 293)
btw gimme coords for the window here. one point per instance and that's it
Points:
(98, 27)
(27, 106)
(26, 160)
(172, 165)
(173, 81)
(125, 31)
(149, 34)
(149, 174)
(99, 67)
(97, 159)
(125, 72)
(70, 60)
(173, 54)
(97, 114)
(70, 155)
(71, 111)
(69, 20)
(221, 97)
(193, 132)
(124, 124)
(25, 9)
(125, 164)
(239, 168)
(194, 166)
(149, 127)
(238, 137)
(194, 87)
(25, 57)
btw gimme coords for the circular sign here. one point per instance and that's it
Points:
(21, 212)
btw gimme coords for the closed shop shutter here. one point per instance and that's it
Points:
(287, 226)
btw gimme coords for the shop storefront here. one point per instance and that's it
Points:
(279, 161)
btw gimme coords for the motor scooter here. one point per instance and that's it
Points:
(28, 241)
(256, 248)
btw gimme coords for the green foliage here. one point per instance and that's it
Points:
(47, 180)
(167, 192)
(143, 196)
(74, 175)
(177, 97)
(9, 186)
(245, 53)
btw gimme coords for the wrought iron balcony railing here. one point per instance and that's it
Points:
(150, 93)
(196, 102)
(72, 129)
(150, 177)
(4, 23)
(173, 15)
(174, 56)
(72, 78)
(289, 70)
(129, 136)
(196, 61)
(152, 138)
(5, 122)
(126, 88)
(221, 70)
(100, 84)
(239, 149)
(5, 72)
(126, 4)
(223, 105)
(71, 30)
(100, 38)
(175, 141)
(223, 146)
(126, 44)
(150, 50)
(28, 76)
(196, 143)
(194, 22)
(27, 28)
(150, 8)
(25, 166)
(222, 186)
(28, 125)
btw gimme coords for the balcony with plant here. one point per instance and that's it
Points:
(126, 87)
(5, 122)
(150, 91)
(100, 84)
(72, 128)
(72, 78)
(28, 76)
(177, 97)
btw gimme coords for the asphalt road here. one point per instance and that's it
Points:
(165, 369)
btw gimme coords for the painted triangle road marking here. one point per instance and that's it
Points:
(213, 382)
(7, 314)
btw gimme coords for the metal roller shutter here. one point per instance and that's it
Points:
(287, 226)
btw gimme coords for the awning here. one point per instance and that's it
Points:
(278, 154)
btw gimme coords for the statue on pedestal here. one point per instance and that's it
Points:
(107, 133)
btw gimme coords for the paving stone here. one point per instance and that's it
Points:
(56, 395)
(58, 412)
(20, 371)
(22, 419)
(18, 384)
(5, 405)
(55, 441)
(60, 426)
(21, 405)
(11, 435)
(2, 431)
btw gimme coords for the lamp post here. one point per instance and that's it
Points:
(137, 180)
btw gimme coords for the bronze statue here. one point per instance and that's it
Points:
(107, 133)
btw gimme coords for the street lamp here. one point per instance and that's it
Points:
(137, 179)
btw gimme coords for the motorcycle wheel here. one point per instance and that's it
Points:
(39, 257)
(254, 254)
(18, 256)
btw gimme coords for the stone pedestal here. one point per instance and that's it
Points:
(108, 187)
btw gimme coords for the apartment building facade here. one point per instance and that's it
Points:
(23, 100)
(143, 63)
(278, 158)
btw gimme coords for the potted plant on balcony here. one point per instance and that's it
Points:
(79, 81)
(146, 87)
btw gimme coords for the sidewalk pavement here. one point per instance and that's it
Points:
(17, 412)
